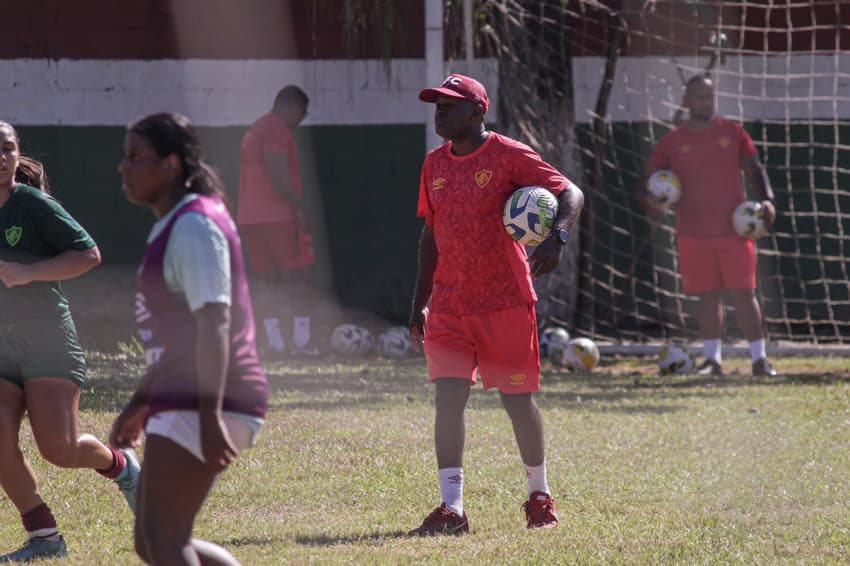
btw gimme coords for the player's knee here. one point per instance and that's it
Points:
(519, 405)
(59, 452)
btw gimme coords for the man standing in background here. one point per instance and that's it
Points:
(708, 153)
(273, 222)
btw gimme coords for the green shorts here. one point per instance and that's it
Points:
(42, 347)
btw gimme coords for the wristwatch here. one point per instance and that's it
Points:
(561, 236)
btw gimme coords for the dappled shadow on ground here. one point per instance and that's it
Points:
(329, 540)
(334, 384)
(249, 541)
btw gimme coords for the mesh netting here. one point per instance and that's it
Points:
(594, 85)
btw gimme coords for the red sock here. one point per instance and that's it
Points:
(39, 521)
(119, 461)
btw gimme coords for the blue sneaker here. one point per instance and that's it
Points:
(37, 548)
(128, 479)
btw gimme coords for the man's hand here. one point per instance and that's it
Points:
(545, 258)
(418, 317)
(768, 213)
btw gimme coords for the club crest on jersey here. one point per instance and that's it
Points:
(13, 235)
(685, 148)
(724, 142)
(438, 184)
(483, 177)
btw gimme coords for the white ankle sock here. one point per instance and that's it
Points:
(451, 488)
(711, 349)
(536, 476)
(758, 350)
(301, 331)
(273, 335)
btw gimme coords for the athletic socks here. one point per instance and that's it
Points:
(119, 462)
(711, 349)
(40, 523)
(451, 488)
(758, 350)
(301, 331)
(275, 339)
(536, 476)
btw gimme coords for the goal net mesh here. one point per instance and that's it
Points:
(594, 85)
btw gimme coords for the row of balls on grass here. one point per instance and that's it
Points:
(556, 347)
(582, 354)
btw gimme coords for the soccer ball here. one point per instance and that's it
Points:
(666, 187)
(530, 214)
(352, 340)
(553, 341)
(394, 342)
(748, 220)
(675, 358)
(581, 354)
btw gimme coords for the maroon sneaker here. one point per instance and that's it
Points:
(540, 511)
(442, 521)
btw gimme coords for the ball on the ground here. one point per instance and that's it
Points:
(529, 215)
(748, 220)
(675, 358)
(666, 187)
(553, 342)
(581, 354)
(352, 340)
(394, 342)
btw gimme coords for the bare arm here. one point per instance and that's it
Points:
(760, 182)
(428, 256)
(212, 352)
(66, 265)
(548, 254)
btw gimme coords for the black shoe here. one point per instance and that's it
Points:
(763, 367)
(710, 367)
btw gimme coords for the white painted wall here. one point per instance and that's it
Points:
(215, 92)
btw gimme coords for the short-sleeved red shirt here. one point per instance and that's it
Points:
(480, 268)
(708, 163)
(259, 201)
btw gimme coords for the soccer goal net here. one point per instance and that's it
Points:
(594, 85)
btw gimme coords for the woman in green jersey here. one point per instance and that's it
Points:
(42, 365)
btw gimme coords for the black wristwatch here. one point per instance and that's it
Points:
(560, 236)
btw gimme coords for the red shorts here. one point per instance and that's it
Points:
(278, 246)
(502, 345)
(709, 264)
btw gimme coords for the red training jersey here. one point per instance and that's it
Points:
(708, 163)
(259, 201)
(480, 268)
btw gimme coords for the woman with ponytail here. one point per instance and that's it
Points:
(204, 394)
(42, 365)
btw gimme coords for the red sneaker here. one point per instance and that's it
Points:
(540, 511)
(442, 521)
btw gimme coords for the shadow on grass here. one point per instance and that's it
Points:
(338, 384)
(250, 541)
(328, 540)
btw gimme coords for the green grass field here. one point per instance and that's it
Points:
(645, 470)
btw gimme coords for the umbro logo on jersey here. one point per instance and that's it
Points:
(483, 177)
(438, 184)
(685, 148)
(724, 142)
(13, 235)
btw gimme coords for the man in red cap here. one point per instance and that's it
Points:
(473, 305)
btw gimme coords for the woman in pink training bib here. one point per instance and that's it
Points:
(204, 395)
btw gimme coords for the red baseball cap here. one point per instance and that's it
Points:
(458, 86)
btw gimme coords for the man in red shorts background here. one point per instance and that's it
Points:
(474, 301)
(273, 222)
(707, 153)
